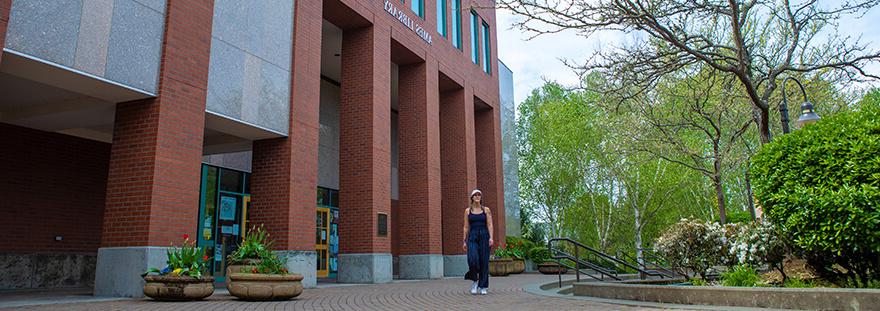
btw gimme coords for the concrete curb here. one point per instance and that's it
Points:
(536, 290)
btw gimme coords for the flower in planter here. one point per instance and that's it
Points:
(186, 260)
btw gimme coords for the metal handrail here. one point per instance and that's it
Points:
(598, 253)
(655, 266)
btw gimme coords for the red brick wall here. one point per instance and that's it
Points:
(5, 7)
(420, 215)
(489, 167)
(285, 170)
(153, 183)
(458, 165)
(51, 184)
(365, 142)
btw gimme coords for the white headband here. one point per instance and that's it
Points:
(475, 192)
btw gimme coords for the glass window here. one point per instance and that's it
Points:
(441, 17)
(475, 40)
(418, 6)
(456, 23)
(231, 181)
(487, 50)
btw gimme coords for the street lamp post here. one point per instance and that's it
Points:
(807, 116)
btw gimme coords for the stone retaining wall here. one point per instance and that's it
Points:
(46, 270)
(760, 297)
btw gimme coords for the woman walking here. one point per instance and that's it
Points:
(477, 240)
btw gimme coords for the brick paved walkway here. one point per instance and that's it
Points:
(505, 293)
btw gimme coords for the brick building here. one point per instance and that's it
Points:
(125, 124)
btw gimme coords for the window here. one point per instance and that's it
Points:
(487, 50)
(475, 39)
(441, 17)
(456, 23)
(418, 6)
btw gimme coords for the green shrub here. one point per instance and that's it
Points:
(693, 245)
(798, 283)
(857, 283)
(756, 244)
(539, 254)
(821, 186)
(741, 275)
(699, 282)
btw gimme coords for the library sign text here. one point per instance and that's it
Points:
(407, 21)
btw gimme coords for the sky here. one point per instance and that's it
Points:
(539, 59)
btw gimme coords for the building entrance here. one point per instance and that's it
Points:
(327, 232)
(225, 195)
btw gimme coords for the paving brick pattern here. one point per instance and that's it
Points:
(448, 294)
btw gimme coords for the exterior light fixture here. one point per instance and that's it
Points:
(808, 115)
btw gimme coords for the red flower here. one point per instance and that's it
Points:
(254, 270)
(205, 258)
(186, 236)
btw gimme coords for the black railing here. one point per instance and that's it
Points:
(649, 262)
(591, 263)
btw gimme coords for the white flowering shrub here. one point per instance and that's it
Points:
(757, 244)
(692, 245)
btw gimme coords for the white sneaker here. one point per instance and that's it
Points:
(484, 291)
(474, 288)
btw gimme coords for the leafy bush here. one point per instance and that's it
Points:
(187, 260)
(516, 247)
(255, 245)
(539, 254)
(798, 283)
(756, 244)
(821, 186)
(740, 275)
(692, 245)
(699, 282)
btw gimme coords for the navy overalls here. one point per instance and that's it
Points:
(478, 249)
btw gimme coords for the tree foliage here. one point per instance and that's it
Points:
(821, 185)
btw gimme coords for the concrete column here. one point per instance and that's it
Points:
(153, 180)
(365, 155)
(420, 215)
(459, 173)
(285, 170)
(5, 8)
(489, 170)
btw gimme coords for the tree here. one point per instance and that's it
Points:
(755, 42)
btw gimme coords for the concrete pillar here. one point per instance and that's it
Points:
(489, 170)
(365, 155)
(285, 170)
(459, 173)
(153, 181)
(5, 8)
(419, 207)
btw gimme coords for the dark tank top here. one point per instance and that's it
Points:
(477, 220)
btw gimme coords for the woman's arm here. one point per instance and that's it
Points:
(489, 223)
(466, 228)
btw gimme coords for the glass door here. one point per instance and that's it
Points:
(322, 240)
(222, 215)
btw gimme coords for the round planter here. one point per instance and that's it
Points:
(178, 288)
(499, 267)
(255, 286)
(243, 267)
(551, 268)
(517, 266)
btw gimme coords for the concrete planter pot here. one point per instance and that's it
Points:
(243, 267)
(517, 266)
(550, 267)
(178, 288)
(255, 286)
(500, 266)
